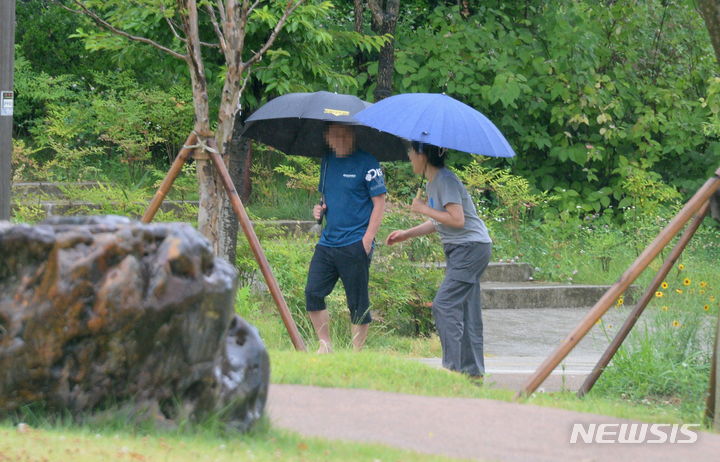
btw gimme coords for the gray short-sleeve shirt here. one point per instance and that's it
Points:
(445, 189)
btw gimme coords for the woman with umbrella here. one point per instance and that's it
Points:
(467, 246)
(433, 122)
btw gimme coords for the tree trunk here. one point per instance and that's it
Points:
(209, 185)
(239, 153)
(384, 22)
(358, 15)
(710, 11)
(360, 58)
(241, 157)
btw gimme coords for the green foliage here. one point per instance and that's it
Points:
(303, 173)
(275, 197)
(313, 53)
(35, 91)
(22, 163)
(111, 122)
(578, 88)
(646, 204)
(42, 33)
(513, 196)
(111, 199)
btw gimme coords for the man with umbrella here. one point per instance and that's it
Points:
(321, 124)
(353, 189)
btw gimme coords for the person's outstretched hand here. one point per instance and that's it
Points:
(396, 236)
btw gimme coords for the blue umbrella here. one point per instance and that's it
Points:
(437, 119)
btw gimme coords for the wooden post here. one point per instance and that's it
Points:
(175, 169)
(172, 174)
(643, 302)
(617, 289)
(247, 227)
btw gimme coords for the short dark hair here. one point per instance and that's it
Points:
(435, 155)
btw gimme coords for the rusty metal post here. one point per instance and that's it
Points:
(247, 227)
(638, 266)
(643, 302)
(172, 174)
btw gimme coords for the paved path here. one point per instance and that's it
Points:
(476, 429)
(513, 372)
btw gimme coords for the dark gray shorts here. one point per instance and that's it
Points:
(351, 265)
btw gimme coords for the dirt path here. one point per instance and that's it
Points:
(475, 429)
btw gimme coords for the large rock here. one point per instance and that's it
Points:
(102, 312)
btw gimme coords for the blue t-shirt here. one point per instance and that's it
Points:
(348, 185)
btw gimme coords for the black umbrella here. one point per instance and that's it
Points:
(295, 124)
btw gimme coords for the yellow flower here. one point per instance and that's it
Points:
(686, 281)
(620, 301)
(706, 307)
(678, 291)
(712, 298)
(703, 284)
(676, 323)
(598, 322)
(701, 292)
(664, 285)
(659, 294)
(665, 308)
(681, 267)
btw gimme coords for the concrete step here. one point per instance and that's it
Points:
(48, 189)
(500, 271)
(65, 207)
(537, 295)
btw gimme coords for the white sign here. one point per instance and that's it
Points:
(6, 103)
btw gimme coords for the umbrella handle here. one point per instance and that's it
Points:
(322, 212)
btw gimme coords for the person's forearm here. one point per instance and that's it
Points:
(375, 219)
(446, 218)
(421, 230)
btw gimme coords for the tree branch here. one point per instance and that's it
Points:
(377, 12)
(216, 26)
(252, 7)
(84, 10)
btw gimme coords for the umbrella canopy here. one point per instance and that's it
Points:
(437, 119)
(295, 124)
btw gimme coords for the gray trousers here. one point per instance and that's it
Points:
(457, 308)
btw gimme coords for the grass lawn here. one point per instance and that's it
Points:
(264, 444)
(395, 373)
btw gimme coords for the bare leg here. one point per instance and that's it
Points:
(321, 323)
(359, 335)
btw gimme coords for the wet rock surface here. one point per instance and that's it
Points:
(104, 312)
